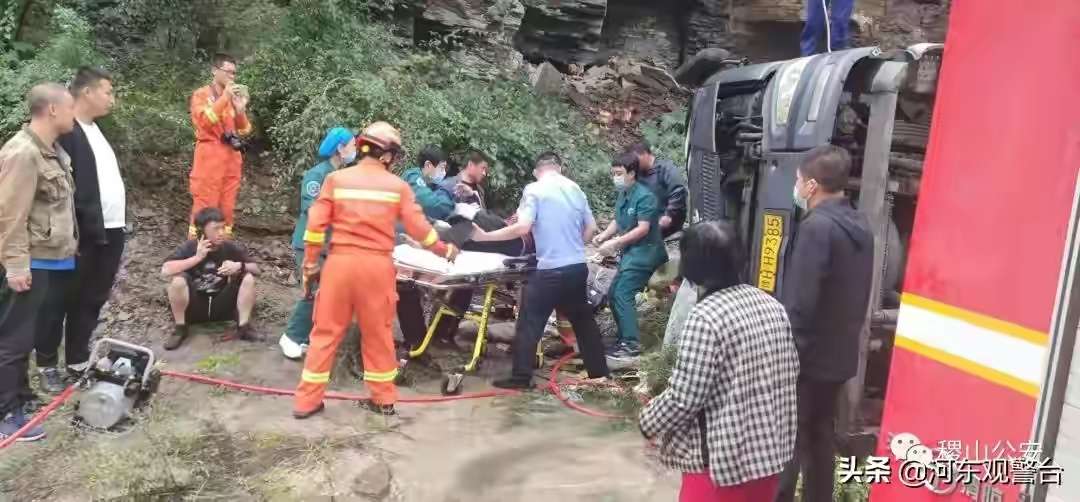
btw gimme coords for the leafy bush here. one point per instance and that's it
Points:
(304, 81)
(667, 135)
(70, 46)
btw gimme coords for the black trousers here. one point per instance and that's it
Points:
(95, 272)
(564, 289)
(20, 314)
(814, 445)
(410, 314)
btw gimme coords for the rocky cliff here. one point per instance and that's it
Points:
(662, 32)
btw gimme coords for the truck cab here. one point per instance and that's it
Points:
(751, 126)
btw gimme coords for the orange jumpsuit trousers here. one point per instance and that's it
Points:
(362, 204)
(364, 282)
(215, 171)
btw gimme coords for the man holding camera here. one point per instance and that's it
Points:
(219, 115)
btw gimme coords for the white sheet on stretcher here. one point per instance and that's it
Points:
(467, 263)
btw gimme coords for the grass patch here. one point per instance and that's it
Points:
(215, 363)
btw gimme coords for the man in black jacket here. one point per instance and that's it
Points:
(667, 182)
(100, 214)
(826, 294)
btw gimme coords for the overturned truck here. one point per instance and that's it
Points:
(750, 126)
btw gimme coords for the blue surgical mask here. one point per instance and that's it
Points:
(349, 159)
(438, 176)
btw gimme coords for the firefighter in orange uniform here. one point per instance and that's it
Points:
(219, 115)
(362, 204)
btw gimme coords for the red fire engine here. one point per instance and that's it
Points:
(988, 316)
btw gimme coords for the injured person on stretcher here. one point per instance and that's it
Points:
(493, 273)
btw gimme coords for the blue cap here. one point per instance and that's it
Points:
(334, 138)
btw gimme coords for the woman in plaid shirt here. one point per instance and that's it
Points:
(727, 421)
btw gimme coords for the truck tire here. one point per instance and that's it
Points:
(696, 70)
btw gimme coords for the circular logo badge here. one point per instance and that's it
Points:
(312, 188)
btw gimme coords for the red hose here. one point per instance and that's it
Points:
(40, 416)
(553, 386)
(334, 395)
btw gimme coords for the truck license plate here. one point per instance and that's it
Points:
(772, 236)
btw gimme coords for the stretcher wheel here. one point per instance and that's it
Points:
(452, 384)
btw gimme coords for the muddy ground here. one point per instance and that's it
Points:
(198, 442)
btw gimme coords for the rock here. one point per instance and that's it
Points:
(374, 480)
(124, 316)
(502, 332)
(561, 31)
(548, 80)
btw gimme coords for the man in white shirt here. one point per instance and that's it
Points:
(100, 214)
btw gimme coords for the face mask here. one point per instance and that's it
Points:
(800, 201)
(348, 159)
(620, 182)
(438, 175)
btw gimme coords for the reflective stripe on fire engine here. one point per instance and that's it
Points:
(991, 349)
(314, 237)
(386, 376)
(431, 239)
(313, 377)
(369, 195)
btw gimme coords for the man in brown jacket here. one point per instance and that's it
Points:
(38, 240)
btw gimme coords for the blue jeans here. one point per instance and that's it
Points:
(814, 29)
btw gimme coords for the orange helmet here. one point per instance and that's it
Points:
(380, 136)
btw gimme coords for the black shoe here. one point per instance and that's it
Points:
(52, 381)
(300, 415)
(180, 333)
(513, 383)
(386, 410)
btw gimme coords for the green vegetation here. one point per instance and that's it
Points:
(311, 64)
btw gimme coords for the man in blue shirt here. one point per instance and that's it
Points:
(337, 150)
(557, 213)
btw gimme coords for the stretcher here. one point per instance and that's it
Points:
(471, 270)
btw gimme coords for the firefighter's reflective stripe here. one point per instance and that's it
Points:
(431, 239)
(367, 195)
(312, 377)
(314, 237)
(211, 115)
(991, 349)
(387, 376)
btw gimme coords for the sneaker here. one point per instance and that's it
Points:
(291, 349)
(614, 348)
(248, 333)
(180, 333)
(52, 380)
(513, 383)
(625, 358)
(15, 421)
(386, 410)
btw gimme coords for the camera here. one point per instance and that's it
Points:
(233, 140)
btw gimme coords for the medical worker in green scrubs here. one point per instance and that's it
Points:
(636, 234)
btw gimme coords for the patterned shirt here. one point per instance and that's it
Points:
(730, 406)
